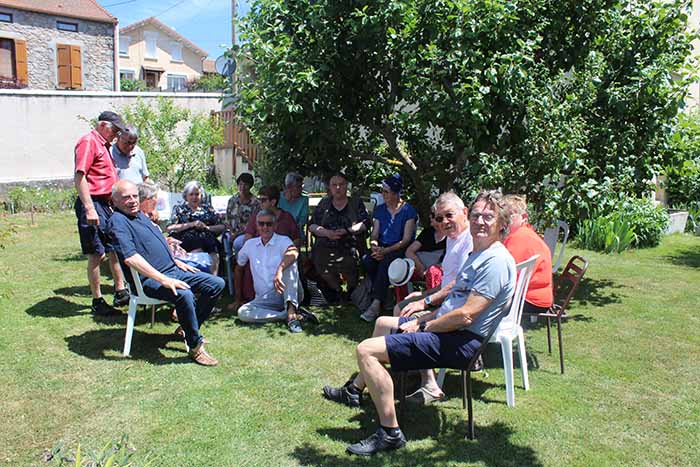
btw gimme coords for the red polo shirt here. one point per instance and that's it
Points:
(523, 243)
(92, 157)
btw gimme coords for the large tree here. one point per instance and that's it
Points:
(566, 100)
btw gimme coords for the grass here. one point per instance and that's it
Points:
(629, 396)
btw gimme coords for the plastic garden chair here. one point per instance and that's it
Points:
(551, 238)
(565, 288)
(138, 298)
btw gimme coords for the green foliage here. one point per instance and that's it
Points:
(632, 223)
(209, 83)
(176, 141)
(133, 85)
(7, 231)
(683, 171)
(114, 454)
(40, 199)
(566, 101)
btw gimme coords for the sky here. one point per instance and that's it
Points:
(207, 23)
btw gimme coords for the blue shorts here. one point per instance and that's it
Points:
(93, 238)
(424, 350)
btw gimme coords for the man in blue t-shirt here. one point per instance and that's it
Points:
(129, 159)
(139, 244)
(446, 337)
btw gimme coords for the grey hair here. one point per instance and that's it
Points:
(266, 212)
(190, 187)
(293, 178)
(449, 197)
(496, 199)
(129, 130)
(148, 190)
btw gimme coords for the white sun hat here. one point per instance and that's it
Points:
(400, 271)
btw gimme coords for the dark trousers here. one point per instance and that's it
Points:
(191, 311)
(378, 272)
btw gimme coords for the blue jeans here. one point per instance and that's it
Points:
(191, 311)
(378, 272)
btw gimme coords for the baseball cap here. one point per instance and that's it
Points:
(113, 118)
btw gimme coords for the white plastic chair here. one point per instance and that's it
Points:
(138, 298)
(507, 332)
(551, 238)
(509, 329)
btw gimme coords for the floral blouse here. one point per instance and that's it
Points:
(183, 213)
(238, 213)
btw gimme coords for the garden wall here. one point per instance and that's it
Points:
(39, 129)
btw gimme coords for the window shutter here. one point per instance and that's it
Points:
(76, 70)
(21, 61)
(63, 62)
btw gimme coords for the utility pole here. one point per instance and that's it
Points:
(233, 41)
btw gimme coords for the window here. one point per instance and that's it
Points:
(176, 52)
(124, 42)
(177, 83)
(151, 42)
(5, 17)
(70, 68)
(63, 26)
(127, 74)
(13, 62)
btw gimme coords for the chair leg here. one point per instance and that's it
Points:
(229, 274)
(441, 377)
(130, 327)
(507, 352)
(523, 359)
(549, 336)
(561, 346)
(153, 315)
(467, 396)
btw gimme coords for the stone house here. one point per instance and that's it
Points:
(153, 52)
(57, 44)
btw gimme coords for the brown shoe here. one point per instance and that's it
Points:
(201, 356)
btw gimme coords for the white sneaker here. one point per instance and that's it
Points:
(369, 315)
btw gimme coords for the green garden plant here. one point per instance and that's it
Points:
(40, 199)
(133, 85)
(609, 234)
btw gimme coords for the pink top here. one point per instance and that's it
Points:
(92, 157)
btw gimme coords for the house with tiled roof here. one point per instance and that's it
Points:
(57, 44)
(155, 53)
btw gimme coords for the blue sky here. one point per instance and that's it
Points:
(207, 23)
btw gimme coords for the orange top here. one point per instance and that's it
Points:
(523, 243)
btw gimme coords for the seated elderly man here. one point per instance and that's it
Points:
(140, 244)
(273, 264)
(336, 222)
(523, 242)
(447, 337)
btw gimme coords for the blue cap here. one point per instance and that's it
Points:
(393, 183)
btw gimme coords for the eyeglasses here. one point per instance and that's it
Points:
(449, 216)
(488, 218)
(265, 224)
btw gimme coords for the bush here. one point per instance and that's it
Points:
(610, 234)
(40, 199)
(133, 85)
(209, 83)
(649, 221)
(683, 171)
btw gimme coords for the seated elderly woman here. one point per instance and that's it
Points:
(196, 224)
(394, 227)
(240, 207)
(293, 201)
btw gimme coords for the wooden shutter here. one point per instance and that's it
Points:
(76, 71)
(21, 61)
(63, 63)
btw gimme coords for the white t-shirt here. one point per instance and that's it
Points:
(456, 254)
(264, 260)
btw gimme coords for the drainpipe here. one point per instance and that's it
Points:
(117, 83)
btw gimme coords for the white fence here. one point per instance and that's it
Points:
(39, 129)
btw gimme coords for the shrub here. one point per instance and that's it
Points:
(133, 85)
(683, 171)
(40, 199)
(648, 221)
(611, 234)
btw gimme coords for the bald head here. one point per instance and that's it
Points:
(125, 196)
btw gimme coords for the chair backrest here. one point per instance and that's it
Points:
(568, 281)
(524, 272)
(551, 238)
(137, 283)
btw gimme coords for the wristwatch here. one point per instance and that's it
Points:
(427, 300)
(421, 326)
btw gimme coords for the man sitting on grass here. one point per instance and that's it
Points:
(139, 243)
(447, 337)
(273, 264)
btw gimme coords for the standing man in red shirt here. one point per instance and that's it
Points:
(94, 176)
(523, 242)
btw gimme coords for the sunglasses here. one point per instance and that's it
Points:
(265, 224)
(448, 216)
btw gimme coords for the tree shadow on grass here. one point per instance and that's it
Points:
(70, 257)
(82, 290)
(597, 292)
(687, 257)
(108, 344)
(57, 307)
(492, 446)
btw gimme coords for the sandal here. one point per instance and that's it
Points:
(423, 397)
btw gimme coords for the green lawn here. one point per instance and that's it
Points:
(631, 394)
